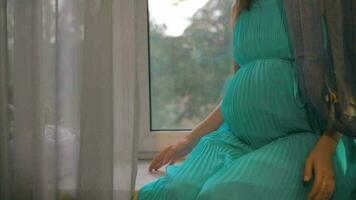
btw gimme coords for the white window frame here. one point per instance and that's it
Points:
(150, 142)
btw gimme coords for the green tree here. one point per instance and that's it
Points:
(187, 72)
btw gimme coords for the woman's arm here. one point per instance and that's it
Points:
(334, 135)
(181, 148)
(177, 151)
(235, 67)
(212, 121)
(320, 166)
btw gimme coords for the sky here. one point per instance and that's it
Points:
(176, 15)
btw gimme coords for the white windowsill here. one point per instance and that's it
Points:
(144, 176)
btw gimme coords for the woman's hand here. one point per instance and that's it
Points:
(320, 165)
(173, 153)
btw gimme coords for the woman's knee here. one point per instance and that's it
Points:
(182, 189)
(153, 191)
(242, 190)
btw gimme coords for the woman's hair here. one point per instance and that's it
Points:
(237, 7)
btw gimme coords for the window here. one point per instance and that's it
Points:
(184, 59)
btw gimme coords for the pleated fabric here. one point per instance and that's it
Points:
(260, 150)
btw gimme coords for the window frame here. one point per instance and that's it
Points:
(150, 141)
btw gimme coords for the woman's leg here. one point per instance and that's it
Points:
(274, 171)
(184, 181)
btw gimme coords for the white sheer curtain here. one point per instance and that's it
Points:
(4, 118)
(67, 99)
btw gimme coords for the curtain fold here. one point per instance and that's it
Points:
(4, 118)
(126, 106)
(96, 149)
(71, 80)
(26, 139)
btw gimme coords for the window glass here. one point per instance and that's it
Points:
(190, 46)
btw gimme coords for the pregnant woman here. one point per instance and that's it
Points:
(259, 143)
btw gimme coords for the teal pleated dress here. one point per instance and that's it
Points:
(260, 150)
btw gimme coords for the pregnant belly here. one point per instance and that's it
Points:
(262, 103)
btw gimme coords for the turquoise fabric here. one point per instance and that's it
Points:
(260, 150)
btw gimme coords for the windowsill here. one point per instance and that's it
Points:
(144, 176)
